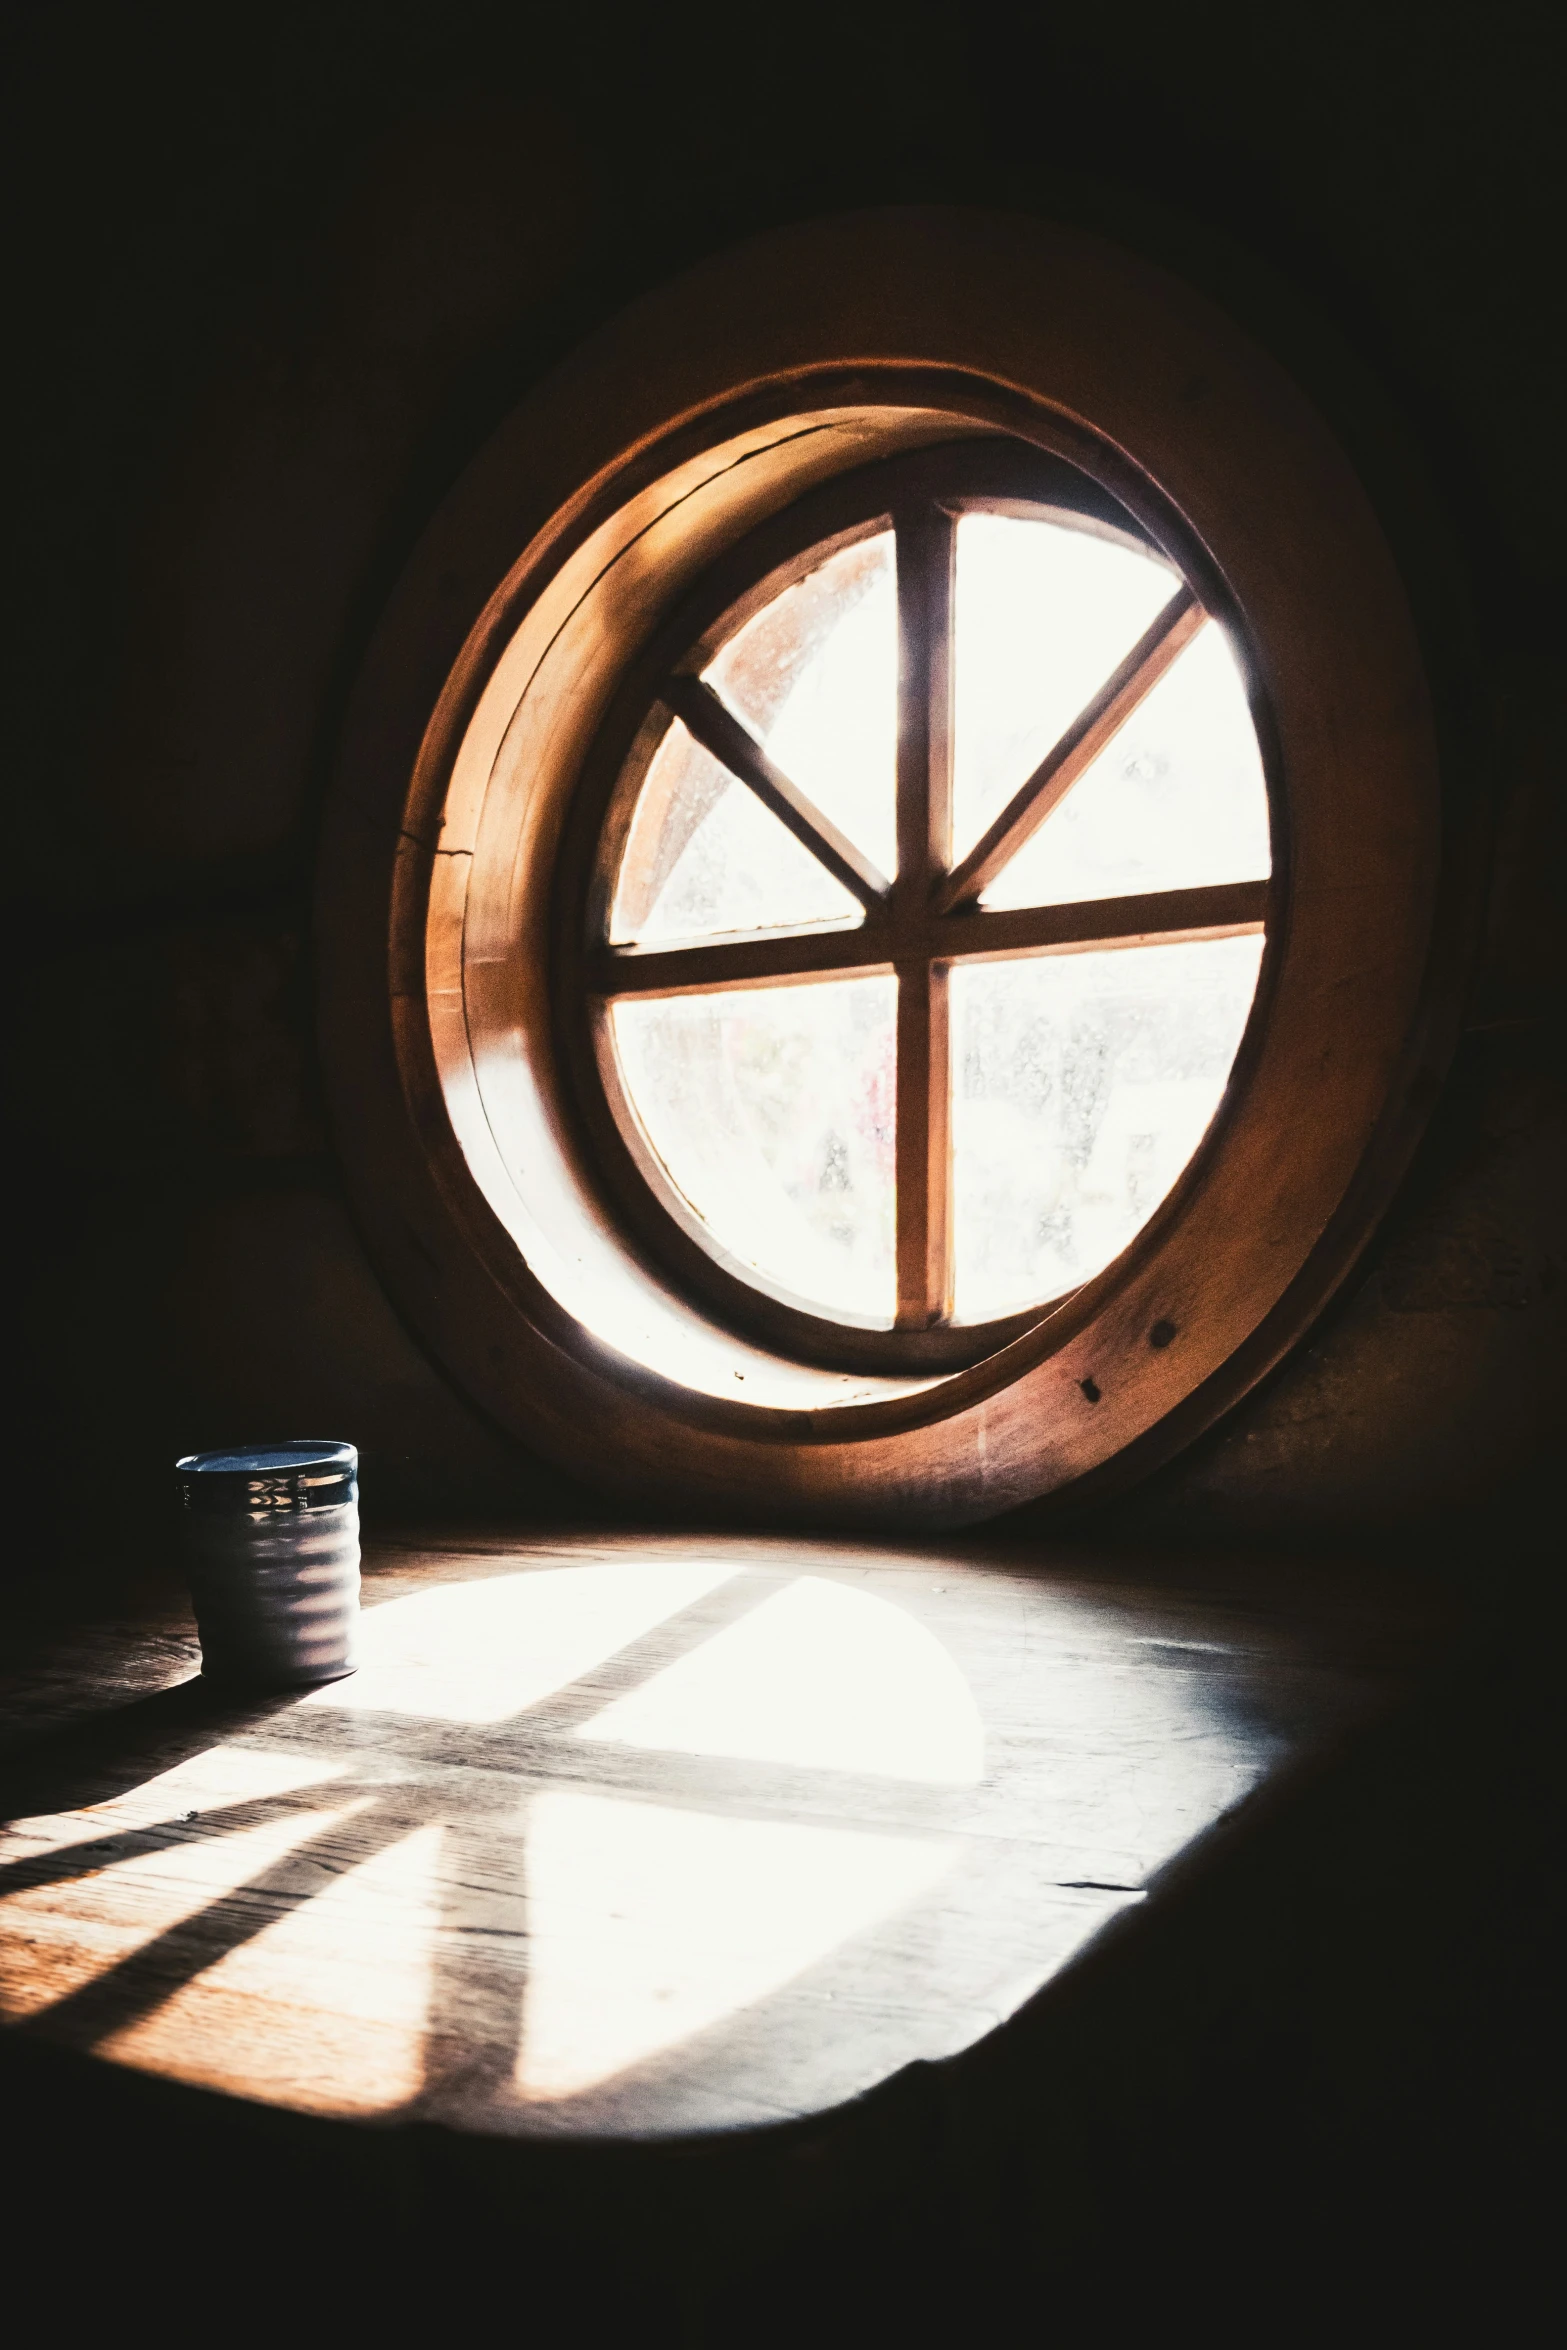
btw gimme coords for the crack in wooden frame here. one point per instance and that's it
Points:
(928, 916)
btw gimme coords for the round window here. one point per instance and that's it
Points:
(928, 907)
(882, 933)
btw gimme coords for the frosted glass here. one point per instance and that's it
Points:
(1082, 1084)
(1044, 614)
(772, 1110)
(704, 857)
(1176, 799)
(814, 675)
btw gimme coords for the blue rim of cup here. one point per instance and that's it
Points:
(261, 1480)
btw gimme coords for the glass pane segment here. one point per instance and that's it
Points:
(1176, 799)
(704, 857)
(1044, 614)
(814, 675)
(1082, 1084)
(772, 1110)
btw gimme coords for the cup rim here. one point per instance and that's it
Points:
(291, 1457)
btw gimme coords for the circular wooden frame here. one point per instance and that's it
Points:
(712, 407)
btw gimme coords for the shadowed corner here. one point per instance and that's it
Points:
(87, 1760)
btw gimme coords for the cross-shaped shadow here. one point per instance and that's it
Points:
(478, 1966)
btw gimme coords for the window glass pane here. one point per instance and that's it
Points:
(772, 1109)
(814, 675)
(1177, 798)
(1044, 614)
(1082, 1084)
(704, 856)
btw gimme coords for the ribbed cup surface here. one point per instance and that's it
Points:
(277, 1600)
(272, 1553)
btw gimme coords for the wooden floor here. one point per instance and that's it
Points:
(630, 1837)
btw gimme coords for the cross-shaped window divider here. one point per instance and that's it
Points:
(929, 916)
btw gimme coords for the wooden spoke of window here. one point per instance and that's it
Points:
(924, 1148)
(1165, 917)
(926, 539)
(1154, 653)
(1159, 917)
(721, 733)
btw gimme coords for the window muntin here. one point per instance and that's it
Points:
(705, 858)
(843, 1035)
(1175, 800)
(1042, 613)
(814, 676)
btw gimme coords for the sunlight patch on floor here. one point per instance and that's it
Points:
(109, 1893)
(820, 1676)
(325, 2008)
(647, 1925)
(482, 1651)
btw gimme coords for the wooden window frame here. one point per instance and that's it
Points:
(623, 483)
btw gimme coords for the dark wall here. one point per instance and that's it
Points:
(276, 273)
